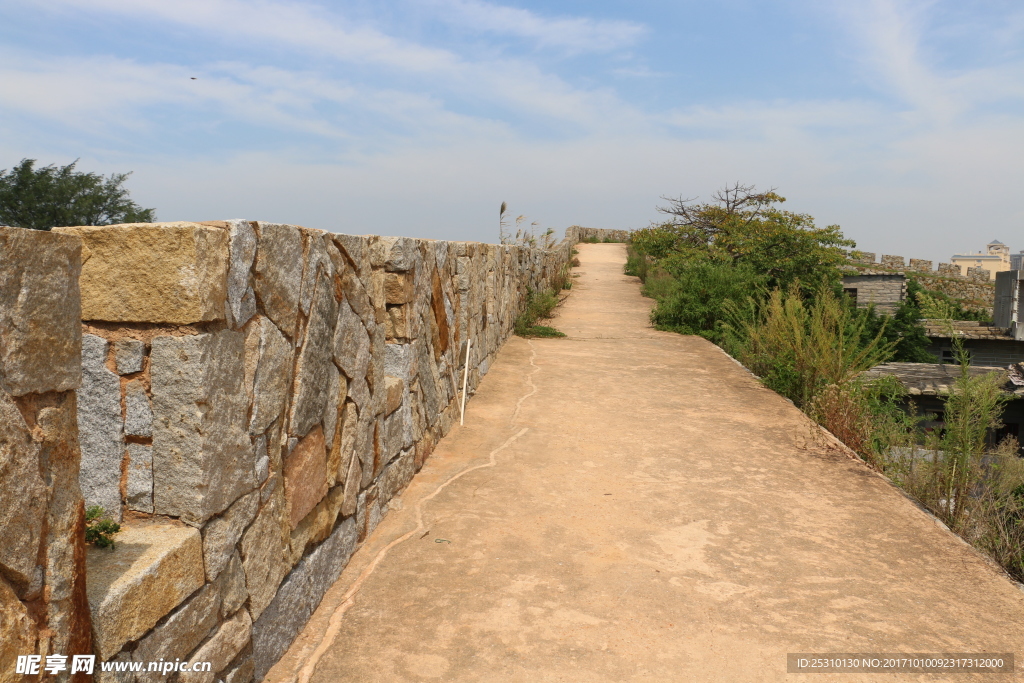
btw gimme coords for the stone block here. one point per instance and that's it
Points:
(400, 253)
(264, 551)
(356, 249)
(272, 374)
(242, 672)
(231, 585)
(278, 274)
(397, 475)
(299, 596)
(138, 419)
(153, 272)
(178, 634)
(398, 288)
(396, 324)
(305, 475)
(24, 497)
(317, 525)
(100, 428)
(351, 344)
(353, 481)
(335, 398)
(202, 454)
(920, 265)
(394, 436)
(318, 264)
(241, 254)
(889, 261)
(222, 533)
(40, 312)
(394, 389)
(17, 633)
(311, 389)
(129, 355)
(358, 298)
(153, 569)
(222, 647)
(139, 492)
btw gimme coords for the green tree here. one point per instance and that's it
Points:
(54, 196)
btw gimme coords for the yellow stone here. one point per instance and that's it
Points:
(172, 273)
(152, 569)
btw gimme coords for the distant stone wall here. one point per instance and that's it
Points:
(577, 233)
(884, 291)
(976, 290)
(252, 397)
(43, 608)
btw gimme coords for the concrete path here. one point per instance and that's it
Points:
(642, 509)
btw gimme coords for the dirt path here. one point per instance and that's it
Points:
(652, 513)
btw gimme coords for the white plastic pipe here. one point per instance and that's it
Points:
(465, 378)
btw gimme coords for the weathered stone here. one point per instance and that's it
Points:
(40, 313)
(358, 298)
(138, 419)
(299, 595)
(153, 272)
(231, 585)
(305, 475)
(129, 355)
(428, 377)
(397, 360)
(67, 617)
(311, 388)
(394, 436)
(359, 392)
(375, 288)
(101, 676)
(222, 533)
(139, 493)
(355, 249)
(264, 551)
(272, 375)
(398, 288)
(396, 325)
(345, 443)
(202, 455)
(278, 274)
(153, 569)
(222, 647)
(351, 344)
(100, 429)
(243, 672)
(397, 475)
(399, 250)
(394, 389)
(24, 495)
(317, 525)
(367, 446)
(353, 480)
(361, 515)
(317, 265)
(335, 397)
(17, 632)
(242, 252)
(180, 632)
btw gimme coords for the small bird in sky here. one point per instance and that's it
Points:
(193, 78)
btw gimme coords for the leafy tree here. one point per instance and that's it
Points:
(54, 196)
(743, 226)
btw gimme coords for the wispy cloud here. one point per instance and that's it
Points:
(575, 34)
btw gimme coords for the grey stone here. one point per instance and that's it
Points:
(262, 458)
(242, 252)
(429, 378)
(222, 533)
(346, 443)
(272, 376)
(359, 392)
(138, 420)
(312, 375)
(100, 429)
(278, 274)
(400, 252)
(353, 480)
(334, 399)
(242, 672)
(355, 249)
(395, 477)
(129, 355)
(375, 371)
(351, 344)
(397, 360)
(202, 455)
(264, 548)
(139, 494)
(222, 647)
(179, 633)
(394, 435)
(299, 596)
(24, 497)
(231, 585)
(358, 298)
(318, 265)
(366, 446)
(40, 311)
(361, 515)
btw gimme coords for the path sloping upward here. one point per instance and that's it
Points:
(652, 514)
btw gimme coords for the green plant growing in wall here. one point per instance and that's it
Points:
(100, 529)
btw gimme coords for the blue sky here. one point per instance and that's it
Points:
(901, 121)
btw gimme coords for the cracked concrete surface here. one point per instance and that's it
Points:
(663, 517)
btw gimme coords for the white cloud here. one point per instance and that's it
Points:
(575, 34)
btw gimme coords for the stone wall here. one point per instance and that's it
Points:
(252, 397)
(884, 290)
(43, 608)
(577, 233)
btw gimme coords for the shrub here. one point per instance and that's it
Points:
(538, 305)
(100, 529)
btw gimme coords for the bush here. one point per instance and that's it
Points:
(100, 529)
(538, 305)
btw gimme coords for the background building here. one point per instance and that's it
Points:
(996, 260)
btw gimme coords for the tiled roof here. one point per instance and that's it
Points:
(935, 379)
(965, 329)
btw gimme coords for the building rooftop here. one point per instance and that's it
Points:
(935, 379)
(965, 329)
